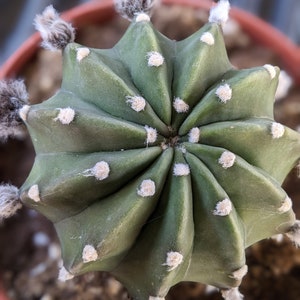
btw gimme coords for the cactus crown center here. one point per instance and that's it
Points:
(172, 141)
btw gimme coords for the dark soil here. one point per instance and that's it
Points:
(29, 252)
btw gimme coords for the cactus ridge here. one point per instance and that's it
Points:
(159, 162)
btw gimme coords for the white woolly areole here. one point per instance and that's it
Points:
(224, 92)
(56, 33)
(100, 170)
(233, 29)
(223, 208)
(34, 193)
(9, 201)
(174, 259)
(240, 273)
(232, 294)
(81, 53)
(65, 115)
(23, 112)
(89, 253)
(207, 38)
(286, 205)
(142, 17)
(137, 103)
(64, 275)
(227, 159)
(194, 135)
(147, 188)
(284, 83)
(151, 134)
(180, 106)
(155, 59)
(294, 233)
(181, 169)
(271, 70)
(156, 298)
(277, 130)
(219, 13)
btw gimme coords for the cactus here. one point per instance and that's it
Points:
(159, 161)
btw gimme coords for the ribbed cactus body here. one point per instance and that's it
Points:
(160, 162)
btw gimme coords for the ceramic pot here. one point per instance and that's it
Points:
(101, 11)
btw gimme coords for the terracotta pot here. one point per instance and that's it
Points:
(101, 11)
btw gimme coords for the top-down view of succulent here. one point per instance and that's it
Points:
(157, 160)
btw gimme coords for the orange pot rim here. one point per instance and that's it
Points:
(103, 10)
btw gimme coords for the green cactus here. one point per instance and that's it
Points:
(160, 162)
